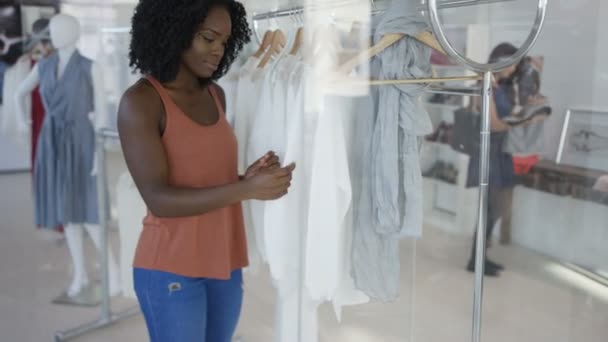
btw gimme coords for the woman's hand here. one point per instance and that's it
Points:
(269, 183)
(269, 161)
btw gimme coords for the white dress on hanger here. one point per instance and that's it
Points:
(258, 143)
(277, 221)
(247, 95)
(131, 209)
(286, 221)
(329, 232)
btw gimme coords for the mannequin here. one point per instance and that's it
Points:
(65, 32)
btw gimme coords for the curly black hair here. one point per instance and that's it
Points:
(162, 30)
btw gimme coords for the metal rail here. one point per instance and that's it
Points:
(301, 9)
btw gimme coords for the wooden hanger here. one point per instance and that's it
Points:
(277, 44)
(387, 40)
(265, 43)
(297, 44)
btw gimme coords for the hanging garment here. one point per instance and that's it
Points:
(328, 237)
(37, 119)
(258, 144)
(402, 120)
(276, 220)
(248, 91)
(390, 205)
(375, 257)
(285, 219)
(131, 208)
(286, 229)
(64, 189)
(247, 96)
(330, 188)
(13, 77)
(330, 197)
(357, 114)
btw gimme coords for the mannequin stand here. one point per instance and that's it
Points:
(106, 318)
(90, 295)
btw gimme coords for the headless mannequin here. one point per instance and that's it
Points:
(65, 32)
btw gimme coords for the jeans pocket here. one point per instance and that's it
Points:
(165, 285)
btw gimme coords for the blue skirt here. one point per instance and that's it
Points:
(502, 173)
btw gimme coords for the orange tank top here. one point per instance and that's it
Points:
(211, 245)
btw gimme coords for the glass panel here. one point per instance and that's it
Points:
(550, 222)
(552, 234)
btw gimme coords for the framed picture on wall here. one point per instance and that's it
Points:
(584, 139)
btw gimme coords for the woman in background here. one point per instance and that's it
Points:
(502, 175)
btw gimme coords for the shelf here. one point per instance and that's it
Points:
(442, 106)
(440, 181)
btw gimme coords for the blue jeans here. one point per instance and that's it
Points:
(183, 309)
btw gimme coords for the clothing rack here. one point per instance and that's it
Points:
(449, 90)
(484, 165)
(301, 9)
(106, 318)
(431, 8)
(445, 4)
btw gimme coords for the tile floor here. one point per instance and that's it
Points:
(534, 300)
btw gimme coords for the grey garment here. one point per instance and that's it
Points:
(388, 195)
(64, 190)
(401, 121)
(525, 140)
(375, 257)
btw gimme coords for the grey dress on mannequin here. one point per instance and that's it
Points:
(64, 190)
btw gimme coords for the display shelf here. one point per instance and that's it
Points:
(442, 106)
(450, 207)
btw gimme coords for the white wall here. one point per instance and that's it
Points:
(13, 157)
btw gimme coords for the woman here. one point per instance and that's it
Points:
(502, 176)
(182, 155)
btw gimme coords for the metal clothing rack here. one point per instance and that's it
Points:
(431, 7)
(107, 317)
(484, 165)
(301, 9)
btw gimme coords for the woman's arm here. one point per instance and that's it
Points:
(138, 126)
(500, 106)
(496, 124)
(23, 90)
